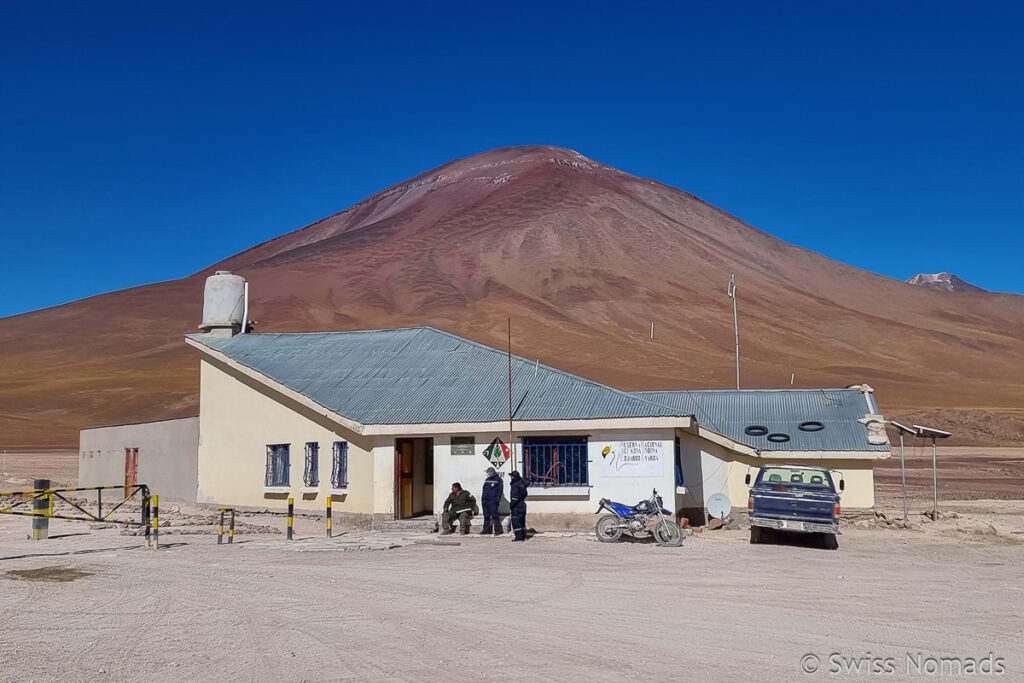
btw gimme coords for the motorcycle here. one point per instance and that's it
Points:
(636, 518)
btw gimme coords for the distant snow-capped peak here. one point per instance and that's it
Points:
(946, 282)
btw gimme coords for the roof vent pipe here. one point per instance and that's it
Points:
(224, 304)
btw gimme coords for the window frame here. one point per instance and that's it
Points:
(560, 470)
(278, 462)
(311, 472)
(339, 465)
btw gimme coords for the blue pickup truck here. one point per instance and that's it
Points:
(794, 498)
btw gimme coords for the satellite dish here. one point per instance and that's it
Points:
(719, 506)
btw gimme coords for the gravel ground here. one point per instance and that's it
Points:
(91, 604)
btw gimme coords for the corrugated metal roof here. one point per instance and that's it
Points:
(422, 375)
(780, 411)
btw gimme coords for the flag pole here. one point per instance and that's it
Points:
(511, 442)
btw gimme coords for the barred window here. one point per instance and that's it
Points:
(556, 461)
(311, 475)
(277, 464)
(339, 473)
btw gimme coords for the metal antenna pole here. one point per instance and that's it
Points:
(903, 475)
(735, 325)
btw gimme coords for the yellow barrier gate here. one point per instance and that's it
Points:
(42, 500)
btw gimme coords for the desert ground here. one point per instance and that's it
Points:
(95, 604)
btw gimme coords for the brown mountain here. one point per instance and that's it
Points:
(945, 282)
(583, 258)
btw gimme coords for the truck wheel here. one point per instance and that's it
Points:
(668, 534)
(755, 535)
(608, 529)
(830, 542)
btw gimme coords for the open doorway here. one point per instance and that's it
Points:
(414, 478)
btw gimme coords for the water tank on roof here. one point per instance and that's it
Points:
(224, 304)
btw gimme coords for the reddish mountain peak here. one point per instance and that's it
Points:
(524, 156)
(440, 192)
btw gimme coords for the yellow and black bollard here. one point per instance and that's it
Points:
(41, 509)
(291, 515)
(156, 522)
(231, 526)
(328, 516)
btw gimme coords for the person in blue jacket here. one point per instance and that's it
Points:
(517, 505)
(493, 488)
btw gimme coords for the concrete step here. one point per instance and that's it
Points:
(427, 525)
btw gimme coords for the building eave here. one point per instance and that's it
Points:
(579, 424)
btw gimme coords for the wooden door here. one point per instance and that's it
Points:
(403, 478)
(131, 467)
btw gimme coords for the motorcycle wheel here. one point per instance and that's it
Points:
(608, 529)
(668, 534)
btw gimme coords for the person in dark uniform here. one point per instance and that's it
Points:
(493, 488)
(517, 505)
(459, 505)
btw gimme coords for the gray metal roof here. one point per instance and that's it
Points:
(422, 375)
(780, 411)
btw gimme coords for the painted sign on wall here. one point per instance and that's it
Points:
(497, 453)
(463, 445)
(633, 459)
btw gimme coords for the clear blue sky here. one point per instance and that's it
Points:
(143, 141)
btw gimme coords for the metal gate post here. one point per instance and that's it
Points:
(40, 506)
(220, 528)
(156, 522)
(146, 520)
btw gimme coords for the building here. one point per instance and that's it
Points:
(164, 455)
(384, 421)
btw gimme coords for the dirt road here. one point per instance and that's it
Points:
(91, 604)
(554, 608)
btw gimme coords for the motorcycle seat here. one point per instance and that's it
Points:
(624, 510)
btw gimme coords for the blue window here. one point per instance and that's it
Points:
(277, 464)
(339, 473)
(556, 461)
(311, 475)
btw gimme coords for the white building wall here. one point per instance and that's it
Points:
(605, 481)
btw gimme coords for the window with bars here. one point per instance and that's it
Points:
(277, 464)
(556, 461)
(311, 475)
(339, 472)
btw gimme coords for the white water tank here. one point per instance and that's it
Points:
(224, 304)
